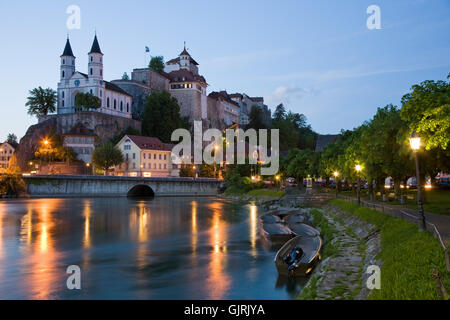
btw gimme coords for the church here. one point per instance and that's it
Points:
(114, 100)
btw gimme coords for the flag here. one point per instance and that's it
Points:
(147, 49)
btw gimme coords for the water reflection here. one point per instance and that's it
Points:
(176, 248)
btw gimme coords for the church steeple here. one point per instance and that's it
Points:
(68, 50)
(95, 46)
(95, 65)
(67, 62)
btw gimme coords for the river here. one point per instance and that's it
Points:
(161, 248)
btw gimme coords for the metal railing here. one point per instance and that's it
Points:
(398, 213)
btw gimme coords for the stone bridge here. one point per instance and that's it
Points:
(107, 186)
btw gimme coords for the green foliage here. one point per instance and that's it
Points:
(41, 102)
(207, 170)
(408, 256)
(12, 139)
(54, 150)
(87, 101)
(11, 183)
(161, 116)
(187, 171)
(302, 164)
(106, 156)
(427, 111)
(157, 64)
(256, 119)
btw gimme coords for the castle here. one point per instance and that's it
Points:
(125, 98)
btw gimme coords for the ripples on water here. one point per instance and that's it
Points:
(165, 248)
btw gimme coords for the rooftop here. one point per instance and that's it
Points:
(149, 143)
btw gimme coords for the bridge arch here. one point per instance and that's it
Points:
(141, 191)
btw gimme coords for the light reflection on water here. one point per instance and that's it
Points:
(166, 248)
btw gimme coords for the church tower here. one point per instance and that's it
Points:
(67, 62)
(95, 65)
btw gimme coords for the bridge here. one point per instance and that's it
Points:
(108, 186)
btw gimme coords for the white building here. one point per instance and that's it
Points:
(114, 100)
(6, 152)
(82, 141)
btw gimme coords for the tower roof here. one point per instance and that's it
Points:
(95, 46)
(67, 50)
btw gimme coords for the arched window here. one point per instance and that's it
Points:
(121, 106)
(63, 74)
(115, 104)
(63, 94)
(107, 102)
(92, 71)
(64, 61)
(92, 58)
(128, 107)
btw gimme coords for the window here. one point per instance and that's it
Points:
(144, 165)
(126, 157)
(90, 91)
(127, 147)
(107, 102)
(121, 106)
(115, 104)
(63, 94)
(64, 61)
(63, 74)
(101, 93)
(134, 165)
(101, 72)
(134, 155)
(92, 72)
(154, 157)
(128, 107)
(92, 58)
(160, 166)
(165, 166)
(159, 157)
(165, 157)
(62, 103)
(144, 155)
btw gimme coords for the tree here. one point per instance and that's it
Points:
(427, 111)
(106, 156)
(11, 183)
(280, 113)
(187, 171)
(54, 149)
(157, 64)
(161, 116)
(87, 100)
(207, 170)
(255, 119)
(41, 101)
(12, 139)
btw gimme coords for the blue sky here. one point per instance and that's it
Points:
(317, 57)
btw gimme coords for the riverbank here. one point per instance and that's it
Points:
(258, 196)
(356, 237)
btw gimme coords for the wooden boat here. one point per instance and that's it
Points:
(303, 263)
(292, 218)
(270, 218)
(276, 233)
(303, 230)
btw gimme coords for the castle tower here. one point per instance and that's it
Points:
(95, 65)
(67, 62)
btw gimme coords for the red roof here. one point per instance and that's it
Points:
(149, 143)
(183, 75)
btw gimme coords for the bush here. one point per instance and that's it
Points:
(11, 183)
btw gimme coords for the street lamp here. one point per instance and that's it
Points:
(336, 175)
(414, 141)
(358, 170)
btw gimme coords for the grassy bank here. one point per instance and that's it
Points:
(257, 194)
(408, 256)
(436, 200)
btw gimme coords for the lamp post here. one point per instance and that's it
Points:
(414, 141)
(358, 170)
(336, 175)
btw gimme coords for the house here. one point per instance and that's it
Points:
(82, 141)
(6, 152)
(145, 157)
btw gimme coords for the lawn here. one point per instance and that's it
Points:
(436, 200)
(409, 257)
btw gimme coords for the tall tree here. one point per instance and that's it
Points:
(427, 111)
(106, 156)
(255, 119)
(161, 116)
(280, 113)
(12, 139)
(41, 101)
(157, 64)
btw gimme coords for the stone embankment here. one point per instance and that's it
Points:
(350, 247)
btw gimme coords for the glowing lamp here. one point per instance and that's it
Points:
(358, 168)
(414, 141)
(336, 174)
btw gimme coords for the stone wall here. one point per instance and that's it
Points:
(138, 91)
(190, 103)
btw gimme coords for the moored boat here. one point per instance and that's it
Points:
(298, 256)
(303, 230)
(276, 233)
(295, 217)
